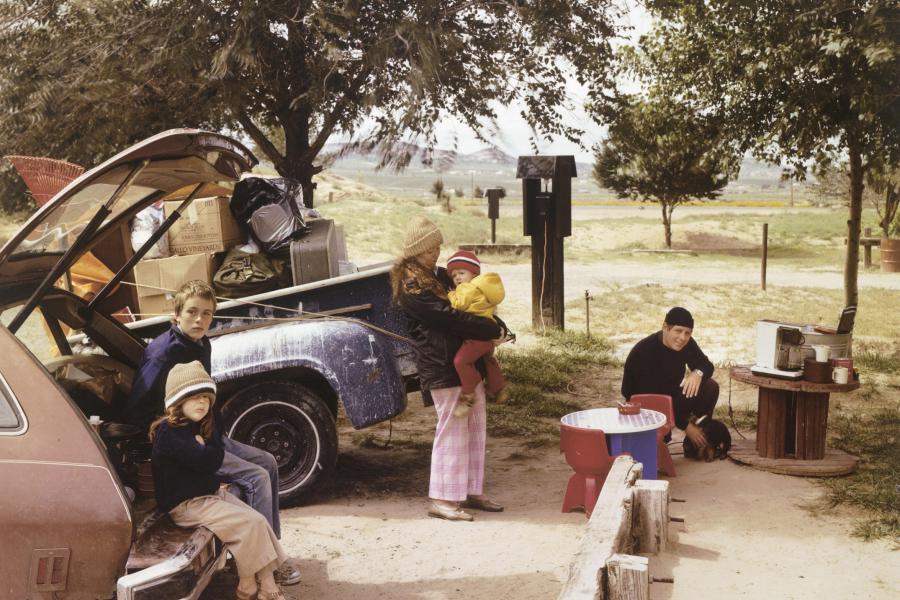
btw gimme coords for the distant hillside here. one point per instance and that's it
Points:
(491, 167)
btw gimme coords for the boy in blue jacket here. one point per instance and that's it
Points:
(253, 470)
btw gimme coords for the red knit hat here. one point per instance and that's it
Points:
(464, 259)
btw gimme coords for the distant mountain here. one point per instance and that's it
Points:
(421, 156)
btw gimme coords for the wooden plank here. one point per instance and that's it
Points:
(773, 414)
(629, 577)
(651, 515)
(608, 532)
(834, 463)
(812, 421)
(762, 421)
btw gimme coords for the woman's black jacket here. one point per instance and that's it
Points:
(437, 331)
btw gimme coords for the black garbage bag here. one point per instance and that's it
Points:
(271, 209)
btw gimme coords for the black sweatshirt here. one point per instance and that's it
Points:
(652, 368)
(183, 468)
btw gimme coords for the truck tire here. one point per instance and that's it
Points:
(291, 422)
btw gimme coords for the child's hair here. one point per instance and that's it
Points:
(193, 288)
(174, 416)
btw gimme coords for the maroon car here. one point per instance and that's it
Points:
(68, 526)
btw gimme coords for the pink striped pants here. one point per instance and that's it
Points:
(457, 457)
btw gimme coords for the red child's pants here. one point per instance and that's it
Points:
(464, 361)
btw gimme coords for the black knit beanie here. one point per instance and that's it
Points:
(679, 316)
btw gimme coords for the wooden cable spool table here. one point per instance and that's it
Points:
(792, 421)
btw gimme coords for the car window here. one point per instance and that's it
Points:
(9, 411)
(34, 333)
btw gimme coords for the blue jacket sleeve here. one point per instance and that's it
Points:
(178, 444)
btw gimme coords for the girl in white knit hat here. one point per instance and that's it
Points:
(185, 460)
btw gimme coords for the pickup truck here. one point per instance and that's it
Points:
(284, 362)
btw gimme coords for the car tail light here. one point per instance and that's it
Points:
(49, 569)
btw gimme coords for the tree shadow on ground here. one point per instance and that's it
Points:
(316, 584)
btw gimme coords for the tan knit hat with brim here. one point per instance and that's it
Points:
(422, 235)
(187, 379)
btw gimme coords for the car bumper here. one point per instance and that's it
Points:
(182, 577)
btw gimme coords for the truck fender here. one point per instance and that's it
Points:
(357, 362)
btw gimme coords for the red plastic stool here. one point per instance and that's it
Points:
(660, 403)
(586, 453)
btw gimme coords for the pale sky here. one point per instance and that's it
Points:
(515, 137)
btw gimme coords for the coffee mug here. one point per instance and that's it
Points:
(821, 352)
(840, 374)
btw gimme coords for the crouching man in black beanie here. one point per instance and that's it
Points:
(657, 365)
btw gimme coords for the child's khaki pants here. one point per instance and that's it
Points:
(244, 531)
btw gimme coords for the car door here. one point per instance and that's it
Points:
(65, 523)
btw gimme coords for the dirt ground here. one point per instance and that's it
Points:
(746, 534)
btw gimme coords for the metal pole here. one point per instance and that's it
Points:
(587, 311)
(765, 253)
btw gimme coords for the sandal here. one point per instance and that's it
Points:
(464, 405)
(244, 596)
(279, 595)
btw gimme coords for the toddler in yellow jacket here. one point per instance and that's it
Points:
(478, 294)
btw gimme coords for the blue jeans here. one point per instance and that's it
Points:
(255, 472)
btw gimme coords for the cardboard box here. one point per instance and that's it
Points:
(158, 279)
(206, 226)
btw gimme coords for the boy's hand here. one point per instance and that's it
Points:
(199, 439)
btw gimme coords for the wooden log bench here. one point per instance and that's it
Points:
(631, 515)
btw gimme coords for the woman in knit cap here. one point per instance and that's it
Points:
(437, 330)
(186, 457)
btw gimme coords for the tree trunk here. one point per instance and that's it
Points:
(851, 267)
(667, 208)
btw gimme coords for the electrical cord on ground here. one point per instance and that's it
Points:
(731, 411)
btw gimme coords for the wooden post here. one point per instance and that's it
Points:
(651, 515)
(765, 254)
(330, 197)
(628, 577)
(587, 312)
(608, 532)
(547, 218)
(493, 231)
(867, 250)
(547, 304)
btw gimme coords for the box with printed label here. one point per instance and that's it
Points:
(206, 225)
(158, 279)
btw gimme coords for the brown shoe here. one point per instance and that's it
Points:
(279, 595)
(501, 397)
(451, 514)
(482, 504)
(463, 405)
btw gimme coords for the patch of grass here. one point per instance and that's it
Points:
(536, 376)
(875, 438)
(876, 361)
(506, 420)
(742, 418)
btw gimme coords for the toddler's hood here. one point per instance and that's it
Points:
(491, 286)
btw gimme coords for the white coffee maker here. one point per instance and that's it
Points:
(779, 350)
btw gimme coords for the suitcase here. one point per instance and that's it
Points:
(316, 255)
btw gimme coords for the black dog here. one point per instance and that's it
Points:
(718, 440)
